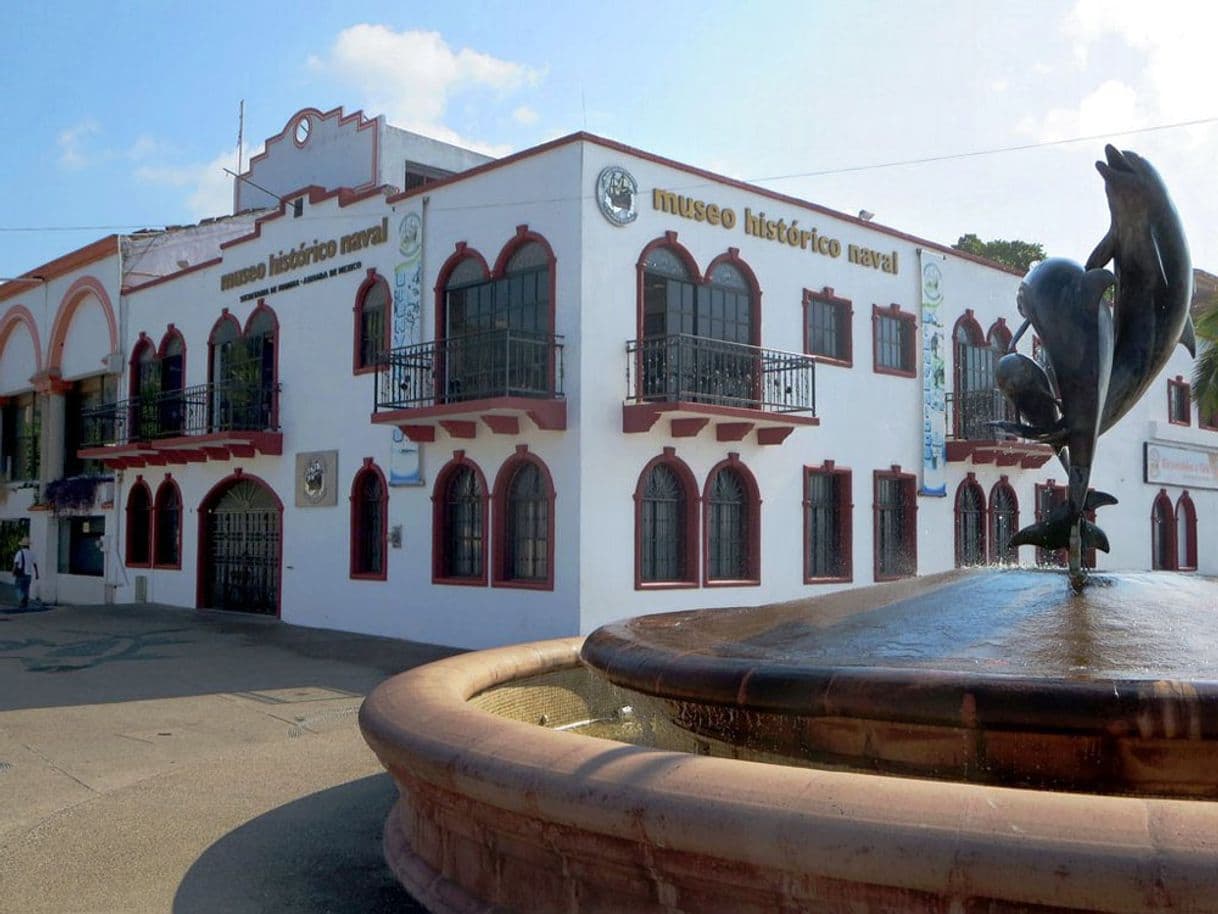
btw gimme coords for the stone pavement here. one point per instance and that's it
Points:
(155, 759)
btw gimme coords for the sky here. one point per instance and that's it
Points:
(123, 116)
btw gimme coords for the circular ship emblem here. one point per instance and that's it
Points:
(315, 479)
(616, 192)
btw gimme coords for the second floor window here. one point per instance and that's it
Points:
(21, 430)
(1179, 406)
(827, 326)
(894, 341)
(372, 319)
(84, 397)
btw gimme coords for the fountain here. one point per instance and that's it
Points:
(992, 740)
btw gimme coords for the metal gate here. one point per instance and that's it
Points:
(242, 550)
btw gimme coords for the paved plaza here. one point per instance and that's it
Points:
(155, 759)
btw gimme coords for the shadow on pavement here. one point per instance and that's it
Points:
(321, 853)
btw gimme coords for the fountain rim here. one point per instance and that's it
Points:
(825, 823)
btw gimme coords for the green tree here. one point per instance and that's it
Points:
(1016, 254)
(1205, 369)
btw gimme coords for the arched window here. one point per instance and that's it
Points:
(372, 322)
(145, 386)
(459, 512)
(172, 356)
(260, 373)
(732, 526)
(369, 523)
(1186, 533)
(524, 509)
(168, 524)
(665, 524)
(1004, 523)
(977, 401)
(1162, 534)
(970, 523)
(139, 525)
(243, 369)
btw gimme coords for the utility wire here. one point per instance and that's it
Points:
(997, 150)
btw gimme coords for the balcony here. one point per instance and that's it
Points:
(205, 422)
(694, 381)
(498, 376)
(971, 436)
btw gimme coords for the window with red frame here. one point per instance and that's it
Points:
(970, 523)
(893, 332)
(139, 525)
(1162, 534)
(896, 528)
(1179, 408)
(526, 503)
(463, 526)
(828, 550)
(372, 323)
(729, 527)
(167, 544)
(827, 327)
(1186, 533)
(1004, 523)
(369, 540)
(665, 526)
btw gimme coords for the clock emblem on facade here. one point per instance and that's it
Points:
(616, 193)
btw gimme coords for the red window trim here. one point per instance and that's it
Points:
(147, 522)
(752, 577)
(845, 307)
(499, 515)
(438, 499)
(894, 311)
(909, 502)
(1163, 501)
(1185, 503)
(692, 513)
(1002, 483)
(355, 528)
(1048, 557)
(1179, 382)
(214, 494)
(371, 281)
(970, 482)
(845, 531)
(170, 483)
(999, 332)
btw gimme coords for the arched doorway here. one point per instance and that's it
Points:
(240, 531)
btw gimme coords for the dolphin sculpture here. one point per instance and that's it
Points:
(1154, 278)
(1065, 304)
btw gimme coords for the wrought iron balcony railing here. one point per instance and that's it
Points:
(970, 413)
(200, 410)
(477, 366)
(697, 369)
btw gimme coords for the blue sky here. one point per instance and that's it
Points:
(122, 116)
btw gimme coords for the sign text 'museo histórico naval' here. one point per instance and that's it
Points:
(306, 254)
(758, 225)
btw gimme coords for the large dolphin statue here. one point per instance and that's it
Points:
(1066, 306)
(1154, 278)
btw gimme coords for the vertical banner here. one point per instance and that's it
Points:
(934, 402)
(405, 467)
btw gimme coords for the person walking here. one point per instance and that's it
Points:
(24, 567)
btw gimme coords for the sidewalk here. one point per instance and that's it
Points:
(155, 759)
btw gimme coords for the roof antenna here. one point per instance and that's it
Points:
(240, 133)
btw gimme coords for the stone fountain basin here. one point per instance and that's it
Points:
(993, 676)
(497, 813)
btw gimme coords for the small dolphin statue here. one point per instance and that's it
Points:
(1066, 306)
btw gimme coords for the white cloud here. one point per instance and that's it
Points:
(525, 115)
(1110, 108)
(411, 76)
(208, 187)
(72, 153)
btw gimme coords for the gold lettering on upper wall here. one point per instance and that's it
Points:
(758, 225)
(306, 254)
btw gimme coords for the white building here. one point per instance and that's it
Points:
(616, 385)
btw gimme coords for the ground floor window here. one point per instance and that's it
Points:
(970, 523)
(369, 523)
(1004, 523)
(167, 546)
(1186, 534)
(732, 508)
(81, 543)
(827, 529)
(524, 504)
(896, 529)
(665, 523)
(459, 524)
(139, 525)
